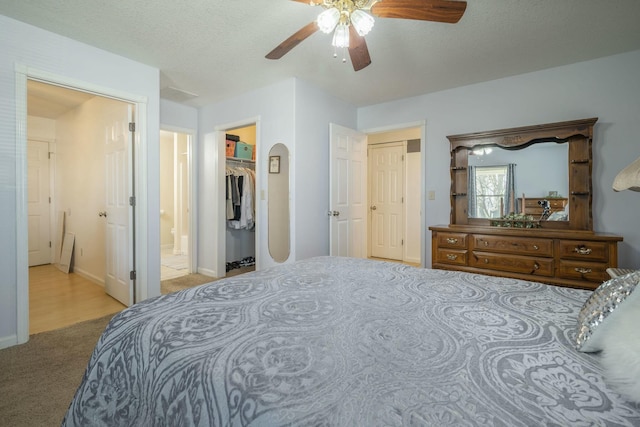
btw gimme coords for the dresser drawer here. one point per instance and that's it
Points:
(512, 263)
(583, 270)
(452, 240)
(451, 256)
(513, 245)
(579, 249)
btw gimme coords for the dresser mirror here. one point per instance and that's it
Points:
(553, 164)
(539, 172)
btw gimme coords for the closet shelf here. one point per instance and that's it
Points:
(240, 160)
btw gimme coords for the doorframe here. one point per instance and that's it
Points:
(218, 138)
(140, 167)
(422, 124)
(193, 191)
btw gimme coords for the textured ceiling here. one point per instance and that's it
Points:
(215, 48)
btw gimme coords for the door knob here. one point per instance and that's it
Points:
(373, 208)
(102, 213)
(333, 213)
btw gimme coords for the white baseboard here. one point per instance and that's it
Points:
(207, 272)
(412, 260)
(95, 279)
(10, 341)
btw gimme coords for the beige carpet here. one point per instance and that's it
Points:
(191, 280)
(38, 379)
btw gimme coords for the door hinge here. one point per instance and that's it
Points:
(49, 244)
(132, 201)
(49, 155)
(132, 275)
(132, 126)
(49, 200)
(403, 157)
(402, 242)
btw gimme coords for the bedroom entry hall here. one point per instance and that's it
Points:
(77, 145)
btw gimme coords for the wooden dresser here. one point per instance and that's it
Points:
(532, 205)
(562, 252)
(569, 258)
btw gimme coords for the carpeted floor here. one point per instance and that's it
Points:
(191, 280)
(38, 379)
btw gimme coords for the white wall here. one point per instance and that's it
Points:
(31, 47)
(606, 88)
(174, 116)
(314, 110)
(273, 106)
(297, 115)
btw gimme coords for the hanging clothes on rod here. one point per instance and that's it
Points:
(240, 195)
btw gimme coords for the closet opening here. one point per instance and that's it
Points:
(239, 199)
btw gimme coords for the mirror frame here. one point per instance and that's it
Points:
(577, 133)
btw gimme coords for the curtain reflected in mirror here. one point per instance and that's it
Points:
(278, 203)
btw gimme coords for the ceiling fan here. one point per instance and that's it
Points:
(350, 22)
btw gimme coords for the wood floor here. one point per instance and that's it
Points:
(57, 299)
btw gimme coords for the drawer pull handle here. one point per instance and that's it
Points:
(583, 270)
(486, 243)
(535, 247)
(582, 250)
(486, 261)
(452, 257)
(452, 240)
(536, 266)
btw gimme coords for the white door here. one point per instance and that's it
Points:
(38, 200)
(118, 213)
(348, 192)
(386, 204)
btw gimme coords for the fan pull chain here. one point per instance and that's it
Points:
(344, 54)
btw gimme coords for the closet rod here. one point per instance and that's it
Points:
(239, 160)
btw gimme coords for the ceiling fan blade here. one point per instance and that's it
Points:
(293, 41)
(358, 50)
(449, 11)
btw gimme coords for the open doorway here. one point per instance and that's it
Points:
(176, 232)
(394, 194)
(239, 199)
(79, 155)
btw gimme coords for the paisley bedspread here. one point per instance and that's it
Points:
(335, 341)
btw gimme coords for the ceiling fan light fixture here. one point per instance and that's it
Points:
(341, 36)
(328, 20)
(362, 22)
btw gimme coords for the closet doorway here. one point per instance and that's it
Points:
(176, 190)
(240, 199)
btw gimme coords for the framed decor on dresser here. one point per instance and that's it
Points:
(535, 175)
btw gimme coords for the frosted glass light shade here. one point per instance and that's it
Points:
(341, 36)
(362, 22)
(328, 20)
(628, 178)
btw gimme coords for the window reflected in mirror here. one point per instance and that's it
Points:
(504, 181)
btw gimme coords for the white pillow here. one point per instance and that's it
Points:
(609, 300)
(620, 356)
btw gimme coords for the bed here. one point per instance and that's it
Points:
(333, 341)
